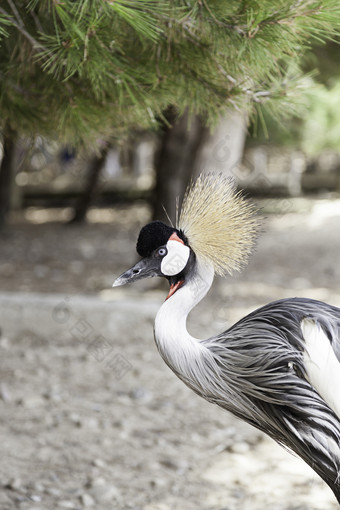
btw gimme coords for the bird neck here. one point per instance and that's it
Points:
(176, 346)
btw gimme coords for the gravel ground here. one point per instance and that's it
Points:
(113, 431)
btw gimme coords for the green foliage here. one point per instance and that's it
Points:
(321, 126)
(92, 69)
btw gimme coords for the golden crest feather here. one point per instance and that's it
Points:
(220, 224)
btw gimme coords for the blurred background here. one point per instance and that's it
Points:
(107, 111)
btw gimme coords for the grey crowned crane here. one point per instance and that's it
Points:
(278, 368)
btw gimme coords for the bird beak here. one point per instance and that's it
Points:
(145, 268)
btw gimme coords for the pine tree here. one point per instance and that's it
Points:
(93, 68)
(90, 70)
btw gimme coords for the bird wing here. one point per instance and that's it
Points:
(290, 337)
(264, 379)
(288, 314)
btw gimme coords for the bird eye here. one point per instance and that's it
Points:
(162, 252)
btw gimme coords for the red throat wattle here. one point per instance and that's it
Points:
(174, 287)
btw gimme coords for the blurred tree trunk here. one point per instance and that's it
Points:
(85, 199)
(222, 149)
(175, 161)
(187, 148)
(6, 169)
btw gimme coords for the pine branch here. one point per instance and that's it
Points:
(19, 25)
(15, 12)
(101, 66)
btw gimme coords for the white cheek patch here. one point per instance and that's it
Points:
(176, 259)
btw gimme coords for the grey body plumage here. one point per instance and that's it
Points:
(262, 380)
(278, 368)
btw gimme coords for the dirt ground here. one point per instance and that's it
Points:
(79, 429)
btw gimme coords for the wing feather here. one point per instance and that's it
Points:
(264, 380)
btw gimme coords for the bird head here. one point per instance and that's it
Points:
(216, 225)
(165, 252)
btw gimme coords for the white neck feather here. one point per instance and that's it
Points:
(177, 347)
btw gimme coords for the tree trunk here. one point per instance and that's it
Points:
(6, 168)
(222, 149)
(175, 161)
(84, 201)
(187, 148)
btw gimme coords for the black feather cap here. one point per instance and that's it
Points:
(153, 235)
